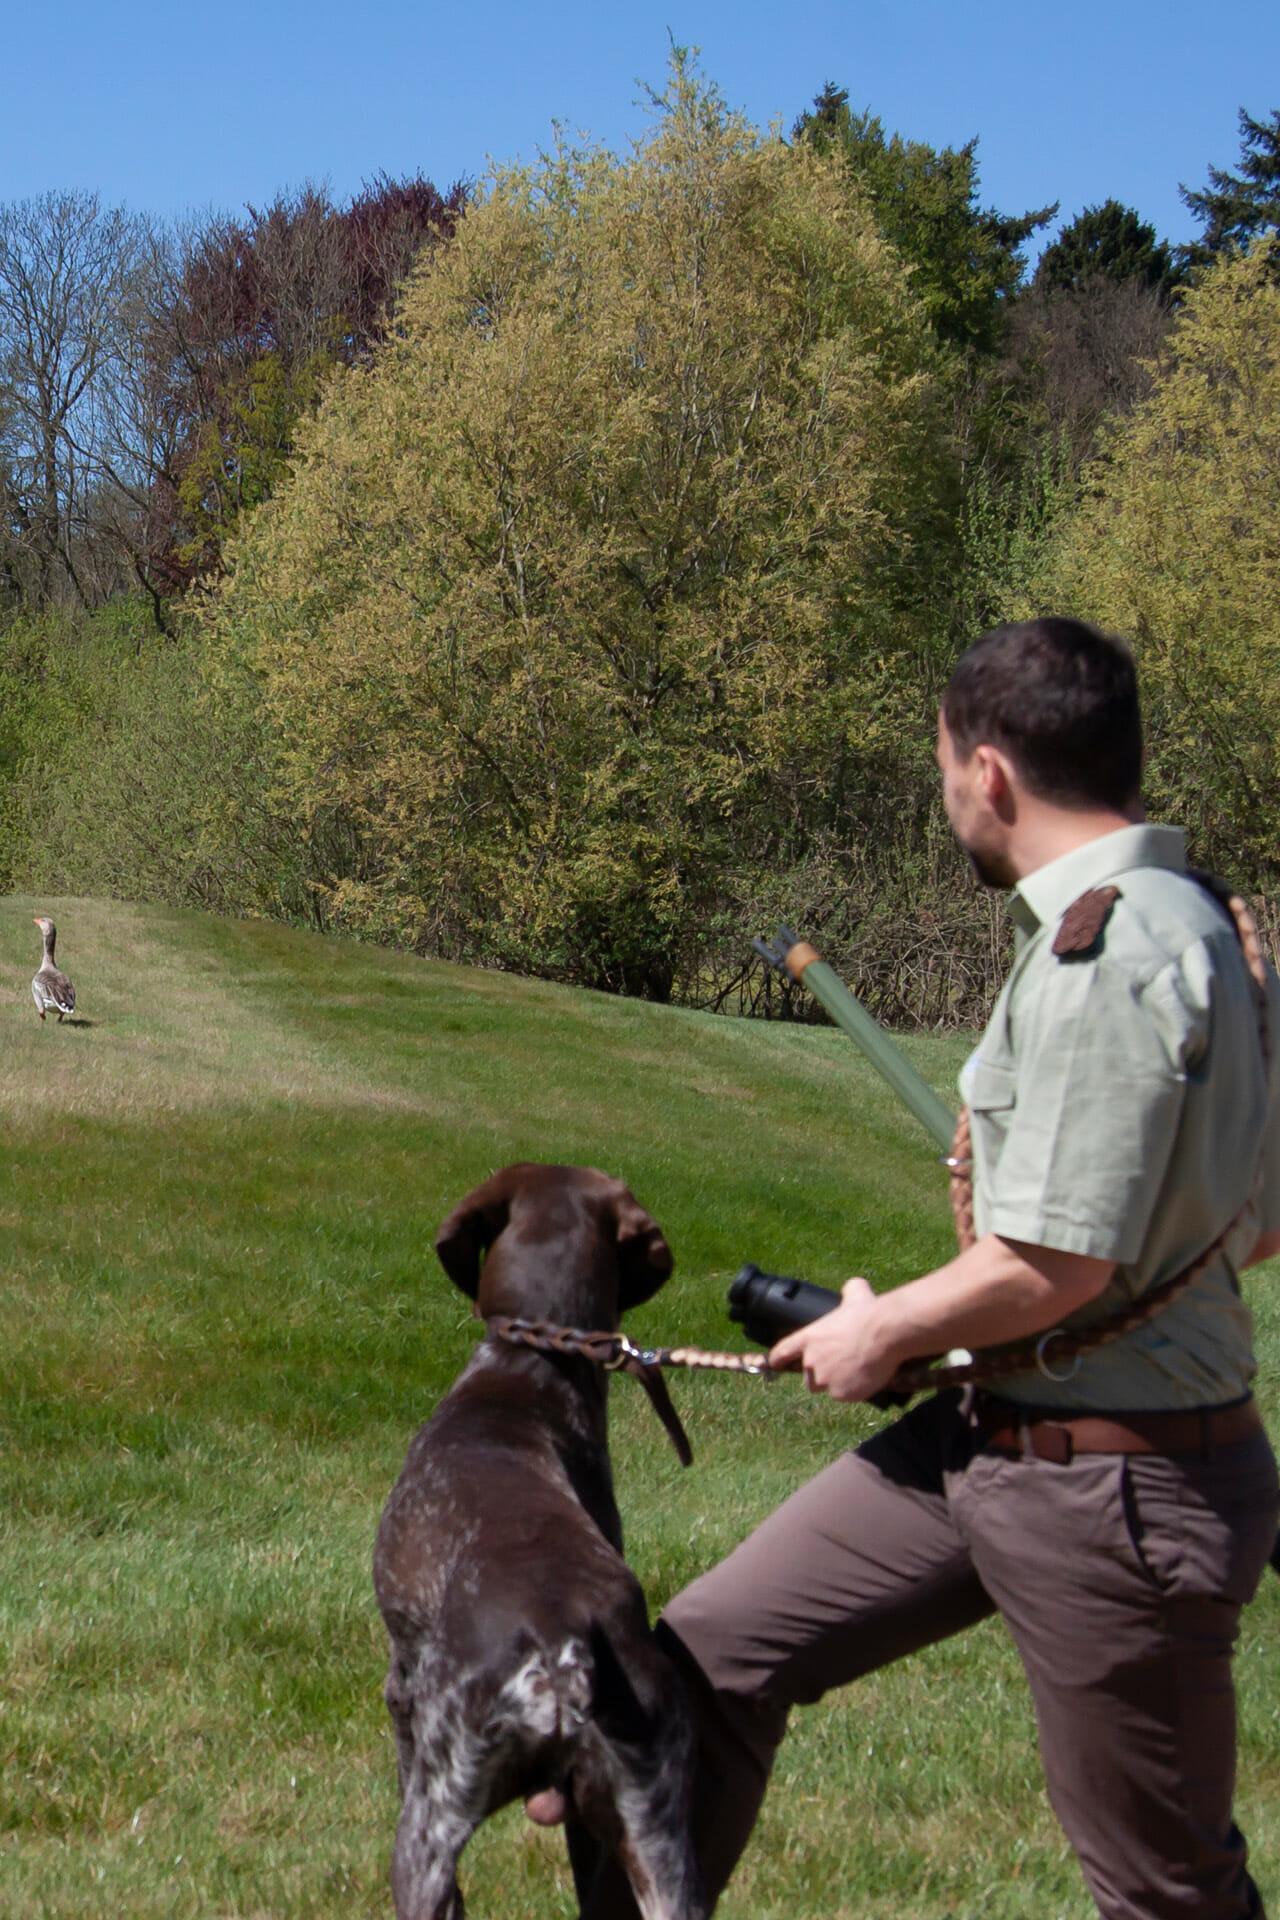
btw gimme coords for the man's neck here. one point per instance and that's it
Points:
(1044, 832)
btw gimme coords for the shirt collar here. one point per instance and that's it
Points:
(1045, 895)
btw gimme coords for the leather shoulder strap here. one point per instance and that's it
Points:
(1080, 931)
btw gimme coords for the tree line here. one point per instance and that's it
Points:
(151, 376)
(559, 573)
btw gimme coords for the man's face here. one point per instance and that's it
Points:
(975, 819)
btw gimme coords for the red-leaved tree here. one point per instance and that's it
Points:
(246, 317)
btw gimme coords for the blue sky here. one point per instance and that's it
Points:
(170, 108)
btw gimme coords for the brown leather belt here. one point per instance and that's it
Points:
(1023, 1431)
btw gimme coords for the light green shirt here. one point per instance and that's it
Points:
(1119, 1109)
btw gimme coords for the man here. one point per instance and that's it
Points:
(1118, 1512)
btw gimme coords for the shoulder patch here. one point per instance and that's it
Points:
(1079, 935)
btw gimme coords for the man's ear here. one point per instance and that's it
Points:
(989, 765)
(996, 775)
(474, 1225)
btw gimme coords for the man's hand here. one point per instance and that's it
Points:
(838, 1353)
(996, 1290)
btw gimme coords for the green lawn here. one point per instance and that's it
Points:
(223, 1320)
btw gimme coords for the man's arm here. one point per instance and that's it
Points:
(996, 1290)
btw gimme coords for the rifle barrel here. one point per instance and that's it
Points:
(829, 990)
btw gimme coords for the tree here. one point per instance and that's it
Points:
(246, 320)
(1084, 357)
(1076, 353)
(116, 770)
(1238, 208)
(1086, 332)
(579, 608)
(967, 260)
(67, 267)
(1108, 243)
(1174, 543)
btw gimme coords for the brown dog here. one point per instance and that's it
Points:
(522, 1665)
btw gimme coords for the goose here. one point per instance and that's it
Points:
(51, 990)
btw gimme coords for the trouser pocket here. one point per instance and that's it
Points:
(1202, 1529)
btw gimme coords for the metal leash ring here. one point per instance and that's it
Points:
(628, 1350)
(1058, 1379)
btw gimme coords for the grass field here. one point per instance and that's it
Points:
(223, 1321)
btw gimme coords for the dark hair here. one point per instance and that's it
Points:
(1061, 699)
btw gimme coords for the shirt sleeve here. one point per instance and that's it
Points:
(1099, 1087)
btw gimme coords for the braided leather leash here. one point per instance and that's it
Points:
(1045, 1351)
(616, 1353)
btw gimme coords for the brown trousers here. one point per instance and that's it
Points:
(1121, 1579)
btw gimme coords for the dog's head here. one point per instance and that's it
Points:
(558, 1243)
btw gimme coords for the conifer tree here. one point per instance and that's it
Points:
(967, 259)
(1109, 242)
(1237, 208)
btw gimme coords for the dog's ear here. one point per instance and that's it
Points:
(644, 1258)
(473, 1226)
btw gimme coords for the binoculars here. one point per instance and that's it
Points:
(767, 1305)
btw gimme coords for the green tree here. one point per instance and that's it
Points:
(119, 774)
(1110, 242)
(235, 462)
(1238, 208)
(1174, 544)
(967, 260)
(583, 606)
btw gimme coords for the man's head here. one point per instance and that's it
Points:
(1045, 713)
